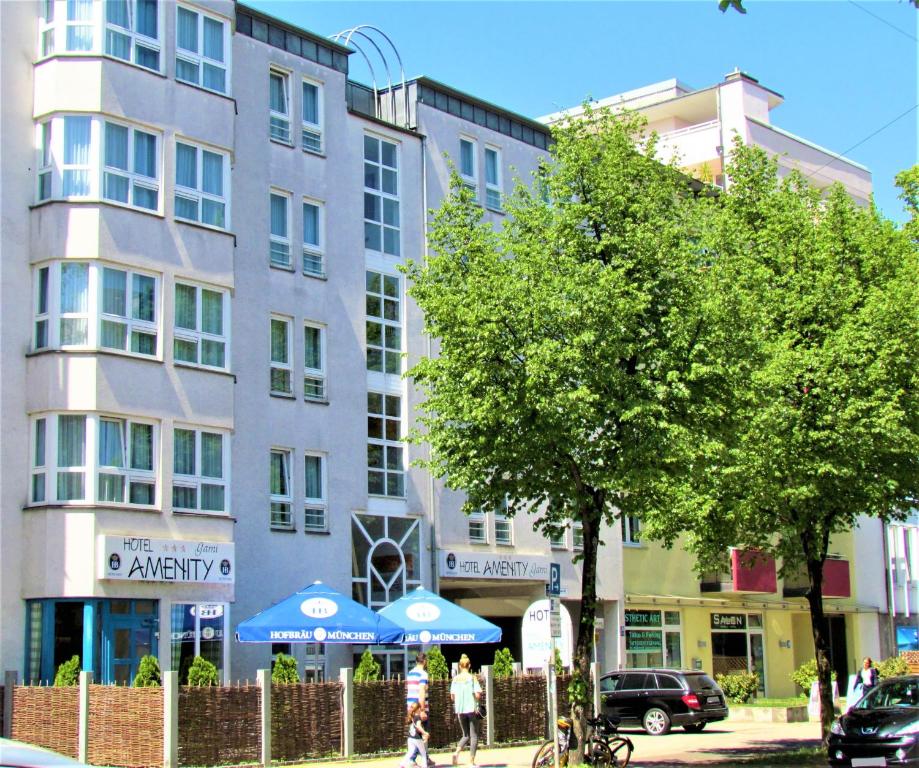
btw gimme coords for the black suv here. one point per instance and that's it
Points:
(655, 699)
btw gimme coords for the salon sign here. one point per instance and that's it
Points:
(137, 558)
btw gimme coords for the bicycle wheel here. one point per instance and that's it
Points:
(545, 755)
(599, 754)
(620, 750)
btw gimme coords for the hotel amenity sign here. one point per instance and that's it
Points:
(133, 558)
(484, 565)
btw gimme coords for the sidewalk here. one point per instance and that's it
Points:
(717, 743)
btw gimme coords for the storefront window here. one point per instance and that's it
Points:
(197, 629)
(652, 639)
(738, 645)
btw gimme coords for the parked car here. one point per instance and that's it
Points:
(17, 754)
(881, 729)
(656, 699)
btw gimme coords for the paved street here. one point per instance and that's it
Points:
(716, 744)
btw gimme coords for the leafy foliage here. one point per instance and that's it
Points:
(284, 669)
(437, 664)
(806, 675)
(739, 687)
(148, 673)
(68, 673)
(557, 662)
(892, 667)
(368, 669)
(908, 181)
(202, 672)
(504, 663)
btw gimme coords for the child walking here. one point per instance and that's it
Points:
(417, 737)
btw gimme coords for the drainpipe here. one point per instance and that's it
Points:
(888, 588)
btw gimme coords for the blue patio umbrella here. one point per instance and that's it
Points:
(318, 614)
(429, 618)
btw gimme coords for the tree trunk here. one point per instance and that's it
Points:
(821, 645)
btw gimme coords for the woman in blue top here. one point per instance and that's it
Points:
(465, 692)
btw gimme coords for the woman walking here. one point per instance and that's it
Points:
(465, 692)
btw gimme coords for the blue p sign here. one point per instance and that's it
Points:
(555, 580)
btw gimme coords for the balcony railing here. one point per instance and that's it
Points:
(751, 572)
(836, 583)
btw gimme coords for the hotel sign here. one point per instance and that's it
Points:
(137, 558)
(486, 565)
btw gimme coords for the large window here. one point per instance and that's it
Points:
(313, 251)
(314, 362)
(124, 29)
(202, 48)
(312, 117)
(198, 629)
(314, 507)
(200, 470)
(478, 528)
(93, 458)
(492, 178)
(385, 471)
(381, 196)
(201, 326)
(281, 379)
(88, 157)
(504, 527)
(279, 106)
(279, 241)
(384, 323)
(91, 305)
(631, 529)
(202, 191)
(385, 558)
(279, 471)
(653, 639)
(467, 163)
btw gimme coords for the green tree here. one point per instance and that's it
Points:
(437, 664)
(504, 663)
(821, 298)
(68, 673)
(202, 672)
(908, 181)
(148, 673)
(368, 669)
(567, 342)
(557, 661)
(284, 669)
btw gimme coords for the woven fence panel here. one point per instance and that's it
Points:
(912, 659)
(442, 722)
(305, 721)
(219, 725)
(379, 716)
(47, 717)
(125, 726)
(519, 708)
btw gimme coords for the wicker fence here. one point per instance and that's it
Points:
(519, 708)
(114, 716)
(48, 717)
(305, 721)
(219, 725)
(912, 659)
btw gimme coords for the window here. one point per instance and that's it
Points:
(98, 458)
(201, 317)
(385, 473)
(131, 32)
(478, 528)
(202, 176)
(280, 357)
(281, 519)
(492, 179)
(577, 536)
(314, 508)
(313, 362)
(558, 538)
(467, 165)
(199, 470)
(631, 529)
(313, 259)
(96, 306)
(279, 247)
(279, 106)
(312, 117)
(504, 527)
(202, 44)
(85, 156)
(381, 196)
(384, 323)
(652, 639)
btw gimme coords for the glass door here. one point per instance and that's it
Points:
(128, 632)
(758, 661)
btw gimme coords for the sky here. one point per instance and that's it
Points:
(847, 69)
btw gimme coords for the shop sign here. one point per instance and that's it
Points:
(537, 631)
(136, 558)
(729, 621)
(643, 640)
(484, 565)
(642, 618)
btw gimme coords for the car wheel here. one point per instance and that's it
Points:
(693, 727)
(656, 721)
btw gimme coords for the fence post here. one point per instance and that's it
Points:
(264, 682)
(551, 704)
(10, 678)
(490, 730)
(346, 676)
(86, 679)
(170, 719)
(595, 685)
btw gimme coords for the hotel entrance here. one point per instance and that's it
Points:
(738, 645)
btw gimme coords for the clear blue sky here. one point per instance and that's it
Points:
(845, 68)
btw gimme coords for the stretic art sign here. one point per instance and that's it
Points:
(137, 558)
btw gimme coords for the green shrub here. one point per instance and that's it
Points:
(148, 673)
(202, 672)
(369, 668)
(68, 673)
(557, 662)
(892, 667)
(504, 663)
(437, 665)
(739, 687)
(806, 675)
(284, 669)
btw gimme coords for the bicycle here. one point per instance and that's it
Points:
(604, 746)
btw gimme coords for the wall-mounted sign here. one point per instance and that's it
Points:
(642, 618)
(536, 634)
(643, 640)
(729, 621)
(485, 565)
(136, 558)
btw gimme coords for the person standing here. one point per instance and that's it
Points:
(465, 692)
(867, 676)
(416, 691)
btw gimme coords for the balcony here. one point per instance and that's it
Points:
(836, 583)
(751, 572)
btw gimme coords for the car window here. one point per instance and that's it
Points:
(900, 693)
(668, 683)
(608, 684)
(634, 681)
(701, 682)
